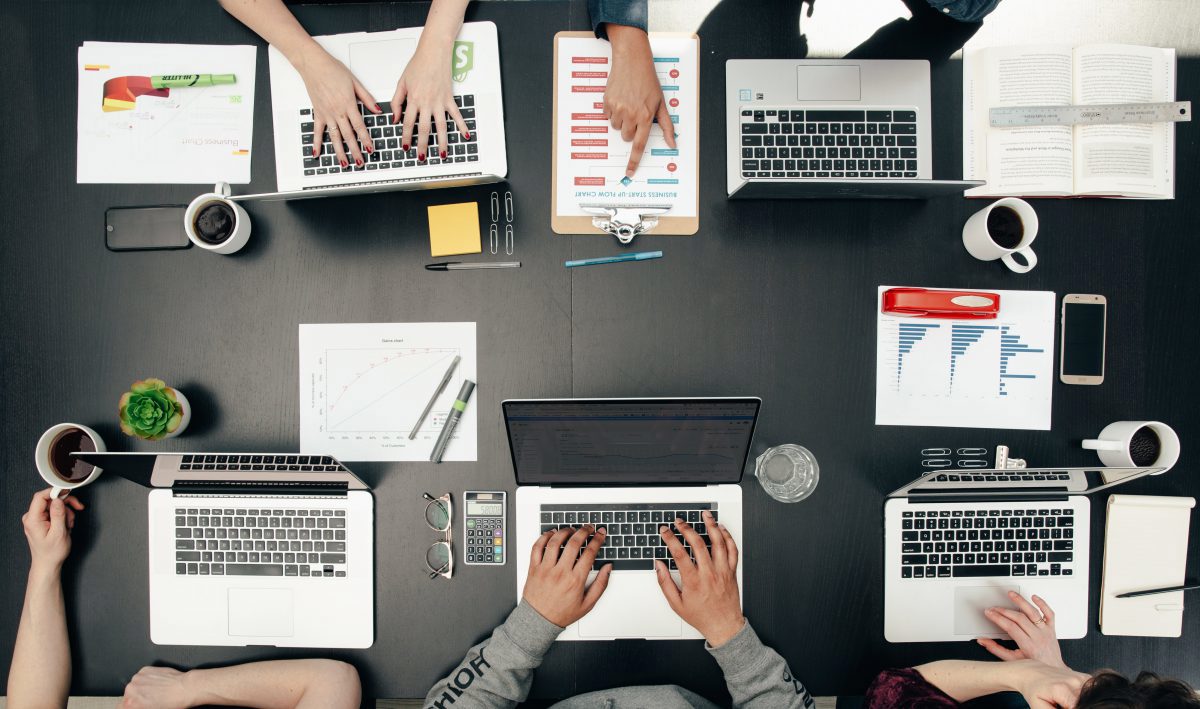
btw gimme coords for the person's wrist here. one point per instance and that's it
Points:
(627, 41)
(45, 570)
(723, 632)
(191, 685)
(305, 54)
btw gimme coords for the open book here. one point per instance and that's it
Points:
(1135, 160)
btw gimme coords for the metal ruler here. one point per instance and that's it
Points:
(1015, 116)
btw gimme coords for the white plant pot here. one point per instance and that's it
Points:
(187, 414)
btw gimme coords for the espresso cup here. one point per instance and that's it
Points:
(232, 237)
(990, 235)
(1113, 445)
(46, 455)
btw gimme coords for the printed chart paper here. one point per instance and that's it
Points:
(130, 132)
(363, 385)
(592, 157)
(968, 373)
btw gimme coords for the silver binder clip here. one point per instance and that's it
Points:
(625, 222)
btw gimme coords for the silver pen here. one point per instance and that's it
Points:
(460, 404)
(441, 387)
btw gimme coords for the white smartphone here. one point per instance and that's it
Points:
(1083, 332)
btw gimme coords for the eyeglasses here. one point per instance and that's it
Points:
(439, 515)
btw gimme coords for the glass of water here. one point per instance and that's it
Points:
(787, 472)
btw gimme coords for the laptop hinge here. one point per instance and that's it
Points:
(258, 487)
(997, 497)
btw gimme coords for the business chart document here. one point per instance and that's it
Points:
(130, 132)
(968, 373)
(363, 386)
(591, 157)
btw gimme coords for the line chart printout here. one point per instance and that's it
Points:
(968, 373)
(364, 385)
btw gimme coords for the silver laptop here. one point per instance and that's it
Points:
(255, 548)
(377, 59)
(629, 465)
(829, 129)
(956, 541)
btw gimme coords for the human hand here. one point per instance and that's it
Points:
(1032, 629)
(334, 93)
(48, 525)
(425, 92)
(557, 583)
(633, 97)
(708, 598)
(157, 688)
(1047, 687)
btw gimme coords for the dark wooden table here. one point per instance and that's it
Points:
(774, 299)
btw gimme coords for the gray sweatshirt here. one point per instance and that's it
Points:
(498, 672)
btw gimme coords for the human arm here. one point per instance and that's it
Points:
(331, 87)
(278, 684)
(1042, 686)
(425, 88)
(499, 671)
(1031, 628)
(40, 675)
(633, 96)
(707, 599)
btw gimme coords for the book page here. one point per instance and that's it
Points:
(1133, 159)
(1036, 160)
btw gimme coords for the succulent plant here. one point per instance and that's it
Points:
(150, 410)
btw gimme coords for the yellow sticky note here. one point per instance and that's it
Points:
(454, 229)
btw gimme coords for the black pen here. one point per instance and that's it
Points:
(1153, 591)
(470, 265)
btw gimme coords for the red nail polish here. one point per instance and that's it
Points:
(406, 146)
(367, 148)
(345, 164)
(358, 162)
(376, 108)
(468, 135)
(421, 157)
(443, 154)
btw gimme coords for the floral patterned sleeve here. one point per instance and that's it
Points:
(905, 688)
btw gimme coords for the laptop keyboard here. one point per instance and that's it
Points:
(1016, 476)
(277, 463)
(633, 541)
(275, 541)
(388, 153)
(829, 143)
(972, 543)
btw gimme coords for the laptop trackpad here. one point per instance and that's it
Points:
(632, 607)
(378, 64)
(971, 601)
(260, 612)
(827, 83)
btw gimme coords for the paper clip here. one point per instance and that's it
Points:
(972, 463)
(935, 463)
(508, 239)
(973, 452)
(494, 238)
(927, 452)
(495, 208)
(508, 208)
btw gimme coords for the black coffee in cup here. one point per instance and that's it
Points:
(215, 222)
(1144, 447)
(66, 466)
(1005, 227)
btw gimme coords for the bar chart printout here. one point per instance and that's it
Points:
(968, 373)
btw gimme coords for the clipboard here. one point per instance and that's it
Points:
(624, 219)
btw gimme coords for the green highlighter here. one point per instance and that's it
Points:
(183, 81)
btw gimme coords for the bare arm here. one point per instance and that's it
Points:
(278, 684)
(425, 85)
(1043, 686)
(272, 21)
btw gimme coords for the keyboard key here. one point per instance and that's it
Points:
(254, 569)
(984, 570)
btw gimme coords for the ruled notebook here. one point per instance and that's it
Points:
(1145, 547)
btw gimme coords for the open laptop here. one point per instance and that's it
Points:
(830, 129)
(255, 548)
(628, 465)
(954, 547)
(377, 59)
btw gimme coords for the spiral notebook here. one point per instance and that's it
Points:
(1145, 547)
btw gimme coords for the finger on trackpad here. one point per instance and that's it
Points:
(260, 612)
(971, 601)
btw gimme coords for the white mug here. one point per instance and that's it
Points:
(41, 456)
(1112, 445)
(979, 241)
(241, 226)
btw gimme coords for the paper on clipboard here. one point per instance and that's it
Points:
(590, 157)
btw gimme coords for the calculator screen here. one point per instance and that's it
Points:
(484, 509)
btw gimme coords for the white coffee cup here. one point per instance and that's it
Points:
(41, 456)
(980, 244)
(241, 226)
(1112, 445)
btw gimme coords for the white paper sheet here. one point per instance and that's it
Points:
(191, 136)
(968, 373)
(363, 385)
(592, 157)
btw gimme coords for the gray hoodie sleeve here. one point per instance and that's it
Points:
(757, 676)
(498, 671)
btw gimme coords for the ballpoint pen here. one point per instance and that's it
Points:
(460, 404)
(440, 388)
(639, 256)
(470, 265)
(1154, 591)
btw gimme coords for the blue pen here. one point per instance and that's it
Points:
(639, 256)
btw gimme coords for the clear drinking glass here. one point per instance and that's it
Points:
(788, 472)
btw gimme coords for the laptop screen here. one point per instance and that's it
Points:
(621, 442)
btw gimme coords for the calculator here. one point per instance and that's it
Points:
(485, 533)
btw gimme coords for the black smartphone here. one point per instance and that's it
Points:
(145, 228)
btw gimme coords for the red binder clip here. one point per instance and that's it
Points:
(949, 304)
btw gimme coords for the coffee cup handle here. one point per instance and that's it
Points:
(1030, 260)
(59, 493)
(223, 189)
(1099, 444)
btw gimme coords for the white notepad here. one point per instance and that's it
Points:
(1145, 547)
